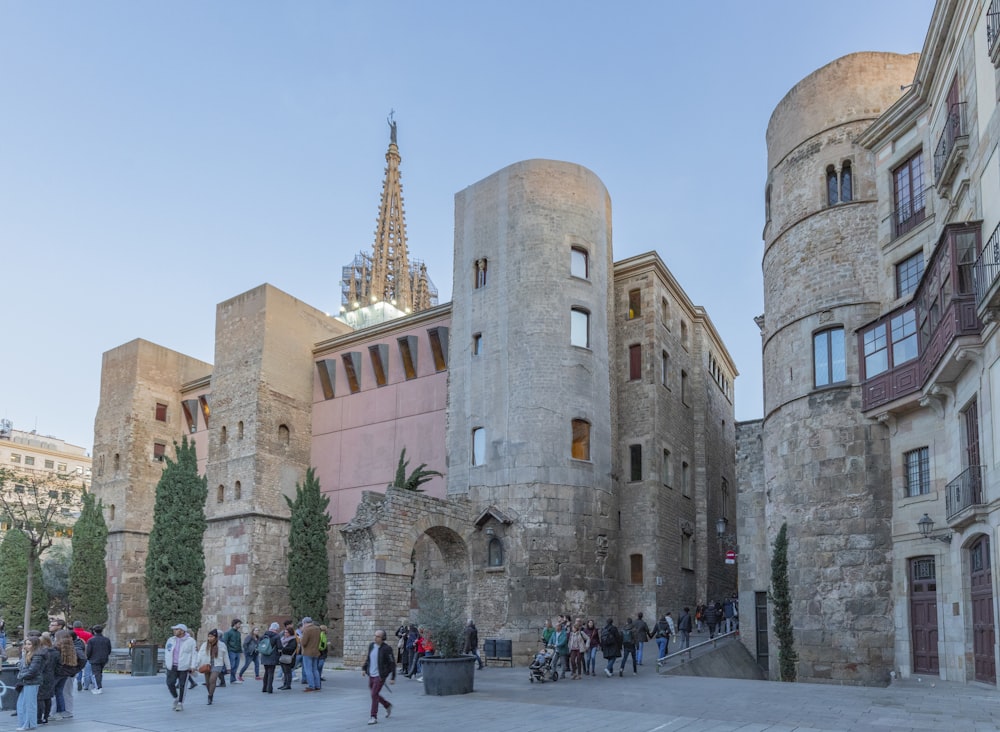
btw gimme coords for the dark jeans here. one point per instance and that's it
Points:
(177, 683)
(268, 686)
(98, 669)
(234, 663)
(44, 708)
(255, 658)
(626, 652)
(286, 676)
(60, 694)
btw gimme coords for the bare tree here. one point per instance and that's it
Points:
(33, 502)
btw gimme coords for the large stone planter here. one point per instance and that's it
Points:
(446, 676)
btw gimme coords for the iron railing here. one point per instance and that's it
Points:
(966, 490)
(954, 128)
(987, 268)
(909, 213)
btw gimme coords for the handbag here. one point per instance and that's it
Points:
(204, 668)
(286, 658)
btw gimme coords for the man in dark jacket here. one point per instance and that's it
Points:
(711, 617)
(642, 634)
(684, 628)
(98, 653)
(379, 665)
(471, 644)
(611, 645)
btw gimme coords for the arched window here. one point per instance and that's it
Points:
(831, 186)
(283, 434)
(111, 512)
(846, 184)
(118, 461)
(220, 493)
(223, 435)
(237, 490)
(579, 333)
(239, 430)
(495, 553)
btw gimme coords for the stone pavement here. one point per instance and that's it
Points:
(504, 700)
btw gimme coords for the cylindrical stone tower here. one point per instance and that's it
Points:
(530, 421)
(826, 465)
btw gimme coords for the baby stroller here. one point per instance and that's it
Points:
(543, 667)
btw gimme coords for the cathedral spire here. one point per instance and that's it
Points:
(387, 274)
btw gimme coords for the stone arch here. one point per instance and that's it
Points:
(384, 538)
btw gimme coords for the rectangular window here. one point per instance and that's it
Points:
(53, 494)
(581, 439)
(579, 264)
(379, 354)
(352, 366)
(684, 387)
(635, 462)
(61, 467)
(665, 468)
(634, 304)
(908, 273)
(579, 328)
(439, 346)
(665, 312)
(908, 190)
(685, 479)
(829, 359)
(916, 464)
(686, 553)
(408, 353)
(477, 343)
(479, 446)
(161, 412)
(15, 458)
(635, 569)
(327, 369)
(29, 460)
(480, 271)
(50, 464)
(159, 451)
(635, 362)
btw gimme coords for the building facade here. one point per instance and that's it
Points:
(881, 360)
(579, 410)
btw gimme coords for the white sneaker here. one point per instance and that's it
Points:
(95, 690)
(373, 721)
(175, 705)
(420, 678)
(179, 707)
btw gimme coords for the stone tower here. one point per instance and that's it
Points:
(530, 416)
(387, 274)
(826, 467)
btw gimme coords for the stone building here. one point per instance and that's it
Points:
(580, 411)
(880, 361)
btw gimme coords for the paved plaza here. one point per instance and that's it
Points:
(504, 700)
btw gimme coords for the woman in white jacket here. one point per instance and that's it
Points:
(213, 661)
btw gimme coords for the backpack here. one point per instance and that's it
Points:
(609, 636)
(264, 646)
(322, 641)
(628, 638)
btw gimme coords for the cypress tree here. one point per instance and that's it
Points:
(14, 551)
(88, 574)
(781, 598)
(175, 564)
(308, 561)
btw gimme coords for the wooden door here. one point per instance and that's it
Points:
(923, 615)
(983, 625)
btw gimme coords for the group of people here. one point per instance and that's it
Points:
(48, 663)
(289, 646)
(722, 617)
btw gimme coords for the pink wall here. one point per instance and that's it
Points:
(357, 438)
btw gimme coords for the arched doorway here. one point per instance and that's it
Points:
(983, 623)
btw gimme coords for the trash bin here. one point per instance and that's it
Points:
(490, 648)
(8, 692)
(143, 660)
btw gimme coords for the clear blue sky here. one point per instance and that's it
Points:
(158, 158)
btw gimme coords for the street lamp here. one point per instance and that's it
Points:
(926, 526)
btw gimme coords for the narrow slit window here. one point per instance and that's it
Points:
(439, 347)
(635, 462)
(352, 366)
(581, 439)
(379, 354)
(634, 304)
(408, 353)
(206, 407)
(327, 369)
(479, 446)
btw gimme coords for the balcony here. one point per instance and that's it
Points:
(901, 350)
(987, 272)
(951, 146)
(964, 492)
(993, 31)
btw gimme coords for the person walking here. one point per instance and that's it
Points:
(642, 635)
(212, 660)
(711, 617)
(577, 649)
(684, 628)
(664, 629)
(269, 648)
(3, 639)
(29, 676)
(379, 665)
(611, 646)
(85, 677)
(250, 654)
(560, 641)
(628, 646)
(470, 645)
(98, 653)
(180, 656)
(593, 644)
(66, 667)
(324, 651)
(233, 640)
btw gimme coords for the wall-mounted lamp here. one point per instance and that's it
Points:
(926, 526)
(720, 527)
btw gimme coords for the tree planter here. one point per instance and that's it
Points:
(446, 676)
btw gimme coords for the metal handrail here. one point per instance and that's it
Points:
(714, 641)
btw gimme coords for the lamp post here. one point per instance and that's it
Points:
(926, 526)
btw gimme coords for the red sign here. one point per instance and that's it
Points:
(730, 557)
